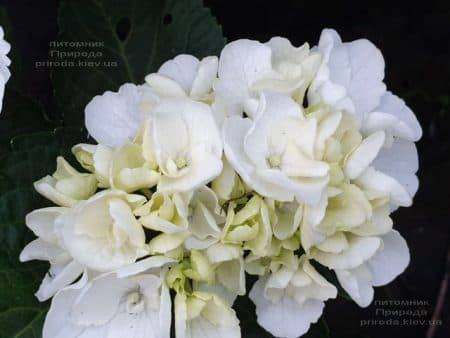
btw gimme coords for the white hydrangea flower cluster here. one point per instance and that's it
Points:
(272, 160)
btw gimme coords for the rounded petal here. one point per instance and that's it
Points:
(58, 279)
(164, 86)
(400, 162)
(42, 222)
(57, 323)
(234, 131)
(182, 69)
(42, 250)
(241, 63)
(207, 73)
(364, 154)
(394, 116)
(360, 249)
(390, 260)
(377, 181)
(98, 301)
(112, 119)
(358, 284)
(286, 318)
(359, 67)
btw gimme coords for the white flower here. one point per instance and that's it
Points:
(113, 306)
(184, 76)
(390, 260)
(164, 212)
(5, 47)
(204, 315)
(124, 167)
(275, 153)
(351, 75)
(186, 144)
(208, 233)
(49, 247)
(113, 119)
(289, 300)
(228, 185)
(351, 79)
(247, 67)
(66, 186)
(102, 233)
(394, 117)
(393, 172)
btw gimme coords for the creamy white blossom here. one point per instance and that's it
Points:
(389, 261)
(111, 306)
(102, 233)
(204, 315)
(185, 75)
(5, 74)
(274, 153)
(186, 144)
(66, 186)
(247, 67)
(290, 299)
(272, 160)
(114, 118)
(49, 246)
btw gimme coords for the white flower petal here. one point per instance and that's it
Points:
(113, 118)
(231, 274)
(359, 251)
(42, 250)
(42, 222)
(241, 64)
(57, 323)
(5, 74)
(377, 181)
(182, 69)
(358, 66)
(394, 116)
(207, 73)
(234, 131)
(390, 260)
(143, 265)
(364, 154)
(61, 278)
(99, 300)
(164, 86)
(286, 318)
(358, 284)
(401, 162)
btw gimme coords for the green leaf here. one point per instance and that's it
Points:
(20, 115)
(21, 314)
(34, 155)
(123, 41)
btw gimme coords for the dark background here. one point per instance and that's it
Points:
(415, 41)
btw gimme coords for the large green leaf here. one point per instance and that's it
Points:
(124, 40)
(21, 314)
(33, 156)
(20, 115)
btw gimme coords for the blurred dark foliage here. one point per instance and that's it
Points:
(414, 38)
